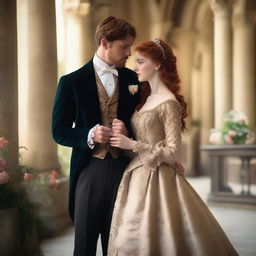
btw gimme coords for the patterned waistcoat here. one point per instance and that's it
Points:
(108, 107)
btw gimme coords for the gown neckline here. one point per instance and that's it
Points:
(150, 109)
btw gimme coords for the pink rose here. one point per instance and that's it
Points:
(243, 120)
(28, 176)
(52, 177)
(228, 140)
(179, 168)
(232, 133)
(249, 140)
(2, 162)
(3, 142)
(4, 177)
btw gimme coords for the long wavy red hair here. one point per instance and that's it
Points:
(167, 72)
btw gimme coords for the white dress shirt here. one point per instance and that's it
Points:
(108, 77)
(105, 73)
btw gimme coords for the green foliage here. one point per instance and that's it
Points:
(239, 131)
(15, 196)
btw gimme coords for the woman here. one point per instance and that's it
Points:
(157, 212)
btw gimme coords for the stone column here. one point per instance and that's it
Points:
(37, 88)
(80, 42)
(182, 43)
(37, 82)
(159, 13)
(196, 87)
(207, 91)
(9, 232)
(9, 80)
(222, 59)
(244, 82)
(207, 99)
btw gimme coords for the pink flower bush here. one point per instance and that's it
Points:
(43, 178)
(3, 142)
(228, 140)
(52, 177)
(232, 133)
(2, 163)
(4, 177)
(28, 176)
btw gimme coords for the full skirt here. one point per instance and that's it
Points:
(158, 213)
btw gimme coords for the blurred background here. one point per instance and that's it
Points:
(215, 45)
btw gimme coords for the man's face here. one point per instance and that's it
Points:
(119, 51)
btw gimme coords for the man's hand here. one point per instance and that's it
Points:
(102, 134)
(118, 127)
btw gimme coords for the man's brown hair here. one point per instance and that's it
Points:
(113, 29)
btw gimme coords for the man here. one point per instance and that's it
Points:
(97, 100)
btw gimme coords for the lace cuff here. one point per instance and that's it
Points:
(147, 154)
(137, 147)
(91, 136)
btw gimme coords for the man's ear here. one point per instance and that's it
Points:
(104, 43)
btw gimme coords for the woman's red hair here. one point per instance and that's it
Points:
(167, 72)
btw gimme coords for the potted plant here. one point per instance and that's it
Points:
(235, 130)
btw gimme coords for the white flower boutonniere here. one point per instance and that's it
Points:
(133, 88)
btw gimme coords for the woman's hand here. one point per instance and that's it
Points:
(179, 168)
(123, 142)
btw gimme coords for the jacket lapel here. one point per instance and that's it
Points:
(87, 89)
(123, 95)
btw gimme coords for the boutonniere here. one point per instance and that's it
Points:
(133, 88)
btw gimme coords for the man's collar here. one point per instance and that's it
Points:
(101, 66)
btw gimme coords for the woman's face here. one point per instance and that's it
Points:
(144, 67)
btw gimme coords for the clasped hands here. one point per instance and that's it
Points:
(116, 136)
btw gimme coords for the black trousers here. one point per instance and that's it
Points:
(94, 202)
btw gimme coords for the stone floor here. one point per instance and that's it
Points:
(238, 223)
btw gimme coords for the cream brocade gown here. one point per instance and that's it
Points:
(157, 212)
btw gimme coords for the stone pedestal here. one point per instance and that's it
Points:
(220, 189)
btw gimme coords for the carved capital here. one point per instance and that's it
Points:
(77, 9)
(221, 7)
(244, 12)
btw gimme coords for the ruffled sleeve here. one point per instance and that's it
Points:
(168, 149)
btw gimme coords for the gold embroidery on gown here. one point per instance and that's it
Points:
(157, 212)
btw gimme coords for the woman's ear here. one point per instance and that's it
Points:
(157, 66)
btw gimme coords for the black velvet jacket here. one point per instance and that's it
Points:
(77, 102)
